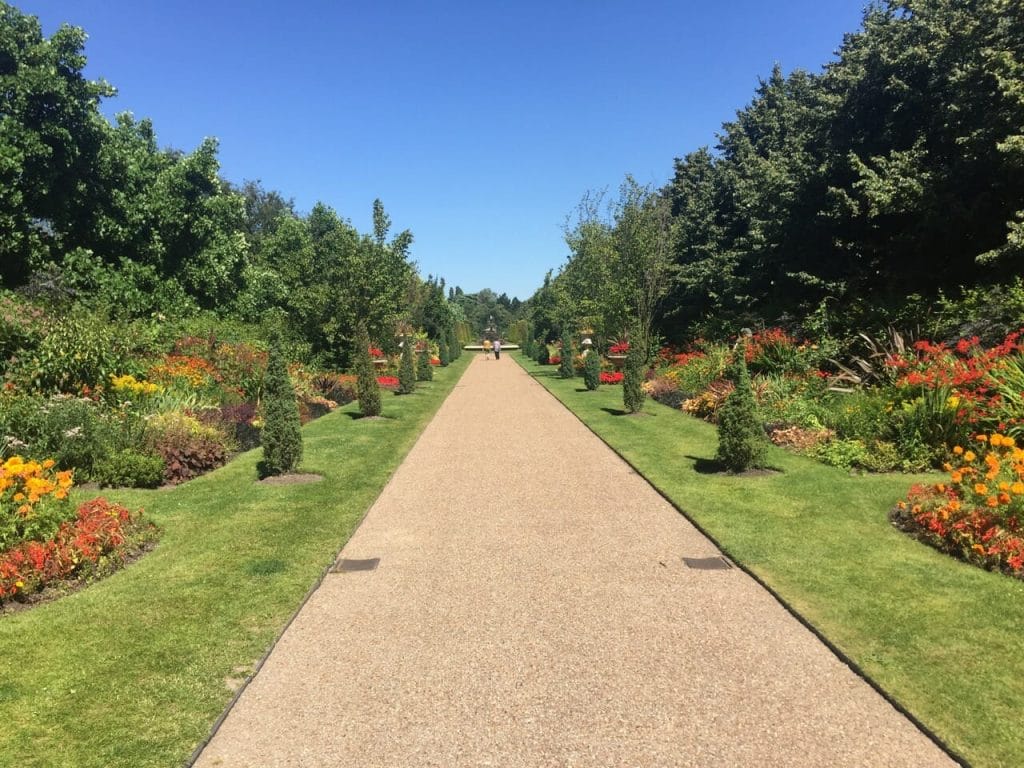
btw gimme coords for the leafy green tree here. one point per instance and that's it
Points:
(565, 368)
(424, 370)
(633, 395)
(367, 387)
(281, 436)
(407, 368)
(742, 443)
(592, 370)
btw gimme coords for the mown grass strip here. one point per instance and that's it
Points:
(134, 670)
(942, 638)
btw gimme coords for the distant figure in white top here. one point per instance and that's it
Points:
(497, 349)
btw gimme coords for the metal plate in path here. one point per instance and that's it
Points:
(346, 566)
(708, 563)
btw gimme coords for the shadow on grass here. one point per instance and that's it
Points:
(706, 466)
(615, 411)
(357, 416)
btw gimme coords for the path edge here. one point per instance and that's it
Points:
(198, 751)
(836, 651)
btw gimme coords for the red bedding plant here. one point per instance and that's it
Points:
(977, 514)
(101, 535)
(619, 348)
(554, 360)
(388, 382)
(613, 377)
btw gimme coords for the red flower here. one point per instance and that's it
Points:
(615, 377)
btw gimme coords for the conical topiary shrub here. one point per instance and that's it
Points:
(592, 370)
(407, 369)
(454, 348)
(424, 370)
(281, 436)
(742, 443)
(565, 368)
(367, 388)
(442, 352)
(633, 394)
(543, 354)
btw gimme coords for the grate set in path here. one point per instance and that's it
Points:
(530, 606)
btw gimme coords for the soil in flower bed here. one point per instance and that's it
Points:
(294, 478)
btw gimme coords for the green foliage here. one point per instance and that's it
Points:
(129, 469)
(566, 370)
(742, 444)
(366, 385)
(78, 351)
(633, 395)
(407, 368)
(281, 437)
(592, 370)
(454, 347)
(424, 370)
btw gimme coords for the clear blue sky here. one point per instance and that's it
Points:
(479, 124)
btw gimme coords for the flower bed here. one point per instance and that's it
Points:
(977, 514)
(612, 377)
(101, 535)
(388, 382)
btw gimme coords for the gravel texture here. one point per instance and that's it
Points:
(531, 608)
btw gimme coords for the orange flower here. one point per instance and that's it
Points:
(970, 456)
(957, 450)
(1004, 498)
(1018, 488)
(980, 488)
(981, 439)
(996, 440)
(991, 501)
(956, 477)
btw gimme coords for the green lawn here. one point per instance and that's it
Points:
(134, 670)
(944, 639)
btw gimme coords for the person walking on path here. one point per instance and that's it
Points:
(487, 348)
(497, 349)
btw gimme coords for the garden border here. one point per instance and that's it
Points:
(839, 654)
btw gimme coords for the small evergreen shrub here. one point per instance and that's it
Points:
(566, 370)
(592, 370)
(367, 387)
(742, 443)
(633, 394)
(129, 469)
(543, 354)
(454, 348)
(424, 370)
(282, 434)
(407, 369)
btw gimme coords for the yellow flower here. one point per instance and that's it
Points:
(970, 456)
(1017, 488)
(957, 450)
(996, 440)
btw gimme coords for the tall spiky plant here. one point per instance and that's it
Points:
(565, 368)
(281, 436)
(367, 388)
(407, 368)
(742, 443)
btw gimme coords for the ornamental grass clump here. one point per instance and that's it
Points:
(281, 437)
(407, 369)
(978, 513)
(633, 394)
(424, 370)
(592, 370)
(366, 386)
(566, 370)
(742, 443)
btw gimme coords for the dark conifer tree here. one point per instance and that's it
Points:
(407, 368)
(742, 443)
(633, 394)
(367, 388)
(281, 436)
(565, 368)
(592, 370)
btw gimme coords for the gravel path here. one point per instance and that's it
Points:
(531, 608)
